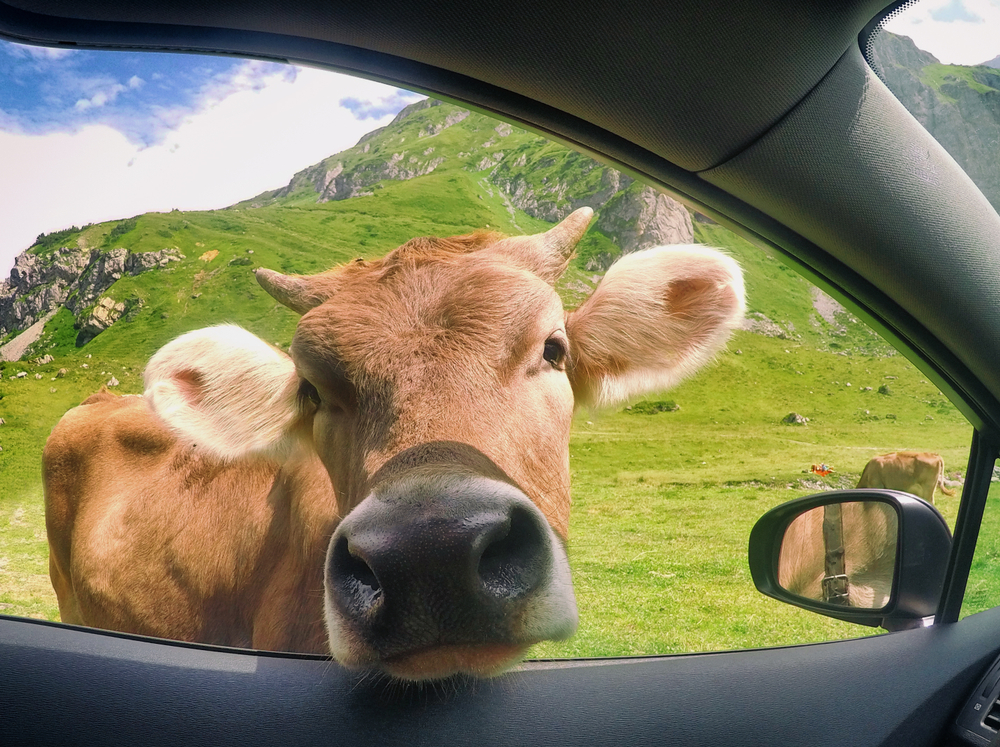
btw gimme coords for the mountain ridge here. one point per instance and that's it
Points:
(436, 169)
(512, 170)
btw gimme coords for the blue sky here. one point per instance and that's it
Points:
(92, 136)
(50, 90)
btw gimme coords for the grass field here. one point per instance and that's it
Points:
(663, 503)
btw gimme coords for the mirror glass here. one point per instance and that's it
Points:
(842, 554)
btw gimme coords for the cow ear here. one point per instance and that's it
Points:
(657, 317)
(227, 392)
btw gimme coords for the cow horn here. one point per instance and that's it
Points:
(564, 236)
(292, 291)
(547, 254)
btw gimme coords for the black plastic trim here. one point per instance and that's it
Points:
(923, 549)
(982, 458)
(874, 27)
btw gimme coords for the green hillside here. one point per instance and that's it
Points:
(663, 502)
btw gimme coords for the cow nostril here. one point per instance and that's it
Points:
(354, 577)
(513, 563)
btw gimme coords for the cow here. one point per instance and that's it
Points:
(866, 551)
(394, 490)
(909, 471)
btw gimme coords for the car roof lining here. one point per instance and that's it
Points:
(694, 115)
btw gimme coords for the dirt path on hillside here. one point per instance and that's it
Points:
(825, 306)
(14, 349)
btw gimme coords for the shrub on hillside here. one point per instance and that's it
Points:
(120, 229)
(653, 407)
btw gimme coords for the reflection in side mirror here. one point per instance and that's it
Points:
(841, 553)
(868, 556)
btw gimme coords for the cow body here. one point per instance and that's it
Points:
(149, 536)
(918, 473)
(395, 489)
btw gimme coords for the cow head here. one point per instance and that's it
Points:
(437, 385)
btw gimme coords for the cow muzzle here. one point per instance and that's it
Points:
(438, 572)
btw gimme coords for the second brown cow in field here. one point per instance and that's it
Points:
(394, 490)
(918, 473)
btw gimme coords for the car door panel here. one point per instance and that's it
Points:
(897, 689)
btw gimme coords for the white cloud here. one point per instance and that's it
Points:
(104, 96)
(253, 139)
(957, 33)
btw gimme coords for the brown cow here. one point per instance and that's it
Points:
(411, 448)
(909, 471)
(868, 537)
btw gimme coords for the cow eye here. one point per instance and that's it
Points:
(308, 391)
(555, 352)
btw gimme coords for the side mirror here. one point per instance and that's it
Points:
(874, 557)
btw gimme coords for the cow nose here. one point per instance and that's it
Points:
(494, 556)
(445, 560)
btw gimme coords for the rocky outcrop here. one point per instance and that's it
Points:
(103, 270)
(336, 184)
(103, 314)
(452, 119)
(640, 217)
(139, 262)
(75, 278)
(38, 285)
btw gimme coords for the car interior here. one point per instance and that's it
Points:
(767, 117)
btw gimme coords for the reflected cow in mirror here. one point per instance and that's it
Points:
(858, 536)
(394, 489)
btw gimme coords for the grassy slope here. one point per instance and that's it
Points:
(663, 503)
(980, 79)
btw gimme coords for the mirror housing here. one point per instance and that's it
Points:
(922, 554)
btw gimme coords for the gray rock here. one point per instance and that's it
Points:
(43, 360)
(144, 261)
(61, 373)
(40, 285)
(759, 324)
(104, 269)
(793, 418)
(113, 382)
(105, 313)
(37, 286)
(641, 217)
